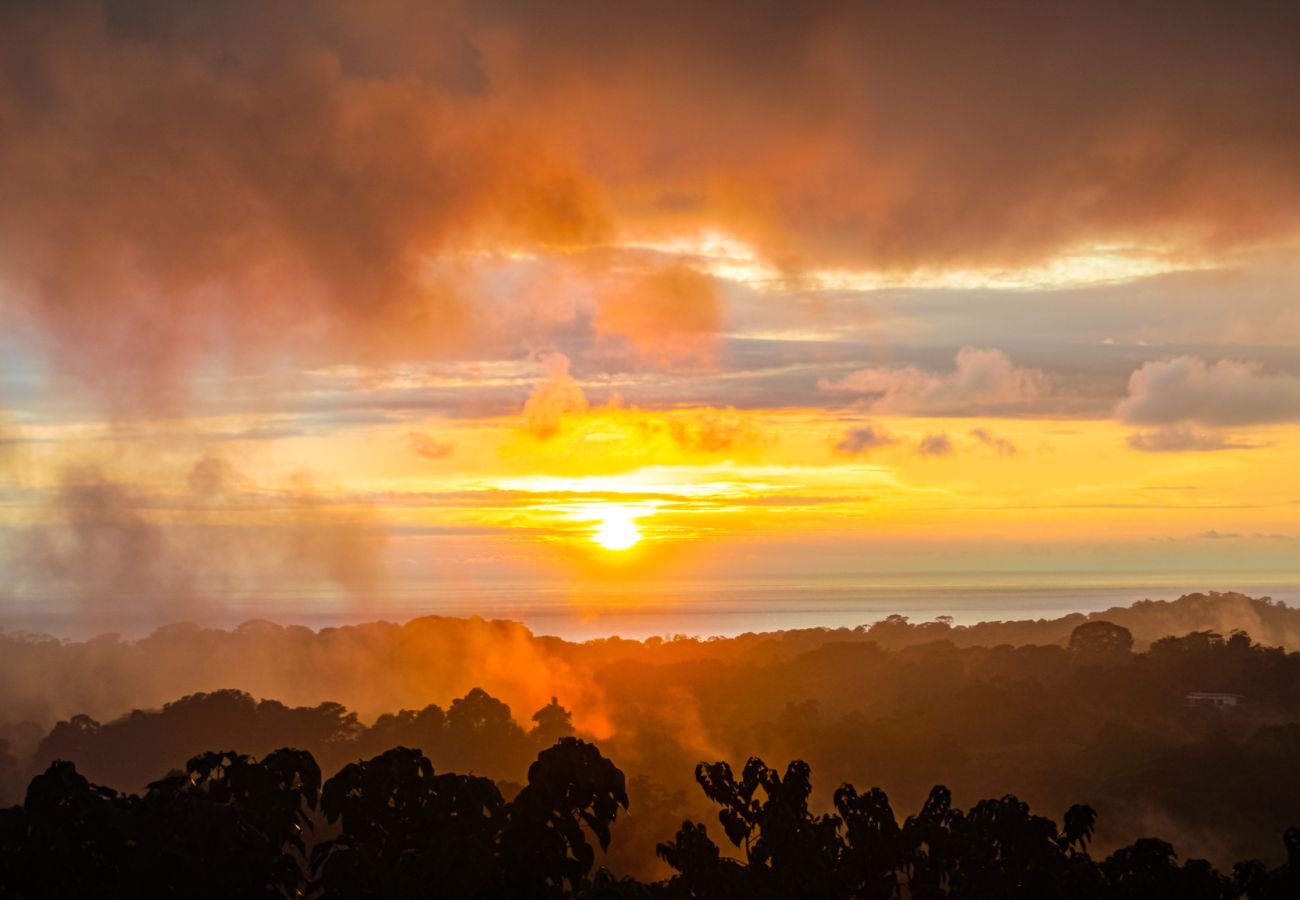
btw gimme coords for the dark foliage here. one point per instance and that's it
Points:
(403, 827)
(233, 827)
(1134, 729)
(227, 827)
(477, 732)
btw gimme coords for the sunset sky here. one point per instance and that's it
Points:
(350, 296)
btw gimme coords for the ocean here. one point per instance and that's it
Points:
(719, 607)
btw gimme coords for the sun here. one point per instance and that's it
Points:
(617, 531)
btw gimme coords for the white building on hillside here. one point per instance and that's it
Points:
(1210, 698)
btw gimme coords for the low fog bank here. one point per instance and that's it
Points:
(1044, 710)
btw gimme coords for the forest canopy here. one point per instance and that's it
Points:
(1181, 736)
(232, 826)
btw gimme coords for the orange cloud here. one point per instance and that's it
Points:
(670, 315)
(428, 446)
(710, 431)
(553, 399)
(220, 184)
(176, 194)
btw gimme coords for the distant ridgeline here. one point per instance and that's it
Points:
(1194, 738)
(377, 666)
(230, 826)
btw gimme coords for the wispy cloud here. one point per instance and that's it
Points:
(1182, 439)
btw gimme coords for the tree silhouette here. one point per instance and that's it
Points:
(229, 826)
(551, 723)
(1148, 870)
(403, 828)
(873, 851)
(1100, 643)
(929, 846)
(226, 827)
(543, 844)
(1000, 849)
(702, 871)
(70, 838)
(483, 736)
(424, 729)
(130, 751)
(789, 852)
(9, 773)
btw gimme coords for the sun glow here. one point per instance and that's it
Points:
(617, 530)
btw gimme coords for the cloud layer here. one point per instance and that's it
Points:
(981, 381)
(1224, 393)
(441, 247)
(217, 183)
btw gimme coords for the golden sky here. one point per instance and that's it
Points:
(350, 294)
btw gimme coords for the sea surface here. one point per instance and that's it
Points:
(720, 607)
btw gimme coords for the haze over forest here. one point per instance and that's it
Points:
(1001, 707)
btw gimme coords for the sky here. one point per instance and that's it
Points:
(327, 299)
